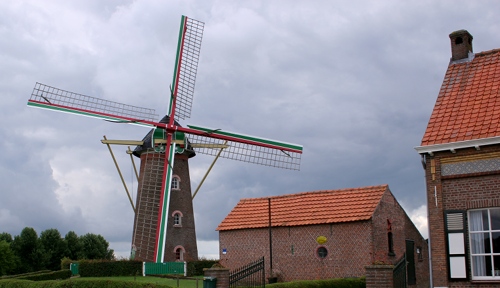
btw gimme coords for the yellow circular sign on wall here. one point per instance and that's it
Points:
(321, 239)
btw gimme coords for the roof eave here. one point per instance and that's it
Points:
(476, 143)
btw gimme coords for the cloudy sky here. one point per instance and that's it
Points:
(353, 81)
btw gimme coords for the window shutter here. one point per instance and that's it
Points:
(455, 236)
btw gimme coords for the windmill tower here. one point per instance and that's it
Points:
(181, 244)
(164, 152)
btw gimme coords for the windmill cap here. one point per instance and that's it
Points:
(147, 141)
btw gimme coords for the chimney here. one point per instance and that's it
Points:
(461, 45)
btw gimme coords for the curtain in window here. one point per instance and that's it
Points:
(477, 243)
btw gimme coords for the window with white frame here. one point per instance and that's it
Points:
(175, 183)
(177, 219)
(484, 235)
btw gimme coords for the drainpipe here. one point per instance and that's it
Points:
(270, 238)
(424, 162)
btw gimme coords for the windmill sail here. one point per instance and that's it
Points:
(186, 66)
(246, 148)
(48, 97)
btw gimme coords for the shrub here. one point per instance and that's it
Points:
(107, 268)
(25, 274)
(195, 268)
(328, 283)
(65, 262)
(90, 283)
(53, 275)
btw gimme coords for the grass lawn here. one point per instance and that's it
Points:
(184, 283)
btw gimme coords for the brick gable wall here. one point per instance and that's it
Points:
(467, 186)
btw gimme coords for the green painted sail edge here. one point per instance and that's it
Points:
(177, 63)
(82, 113)
(251, 138)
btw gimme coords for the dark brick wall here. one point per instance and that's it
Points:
(351, 246)
(457, 192)
(379, 276)
(147, 205)
(402, 229)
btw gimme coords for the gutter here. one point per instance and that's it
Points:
(476, 143)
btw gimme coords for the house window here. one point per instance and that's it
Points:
(322, 252)
(484, 237)
(176, 183)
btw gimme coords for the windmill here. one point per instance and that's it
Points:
(167, 138)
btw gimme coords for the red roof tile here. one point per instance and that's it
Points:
(318, 207)
(468, 103)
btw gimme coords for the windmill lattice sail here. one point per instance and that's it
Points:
(283, 155)
(184, 77)
(48, 97)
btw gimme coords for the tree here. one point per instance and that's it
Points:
(27, 247)
(8, 261)
(73, 245)
(6, 237)
(94, 247)
(54, 247)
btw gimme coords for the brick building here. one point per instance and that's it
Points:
(323, 234)
(461, 155)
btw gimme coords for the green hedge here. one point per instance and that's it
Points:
(195, 268)
(329, 283)
(107, 268)
(25, 274)
(53, 275)
(65, 262)
(90, 283)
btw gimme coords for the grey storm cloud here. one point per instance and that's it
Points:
(354, 82)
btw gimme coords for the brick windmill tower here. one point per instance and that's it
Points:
(181, 245)
(164, 221)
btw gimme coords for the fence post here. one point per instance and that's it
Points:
(379, 276)
(222, 275)
(143, 269)
(185, 269)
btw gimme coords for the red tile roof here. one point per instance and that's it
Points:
(468, 104)
(318, 207)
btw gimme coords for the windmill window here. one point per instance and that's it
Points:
(177, 218)
(179, 253)
(176, 183)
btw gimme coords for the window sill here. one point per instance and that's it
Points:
(178, 225)
(485, 281)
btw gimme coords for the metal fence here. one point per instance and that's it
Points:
(250, 275)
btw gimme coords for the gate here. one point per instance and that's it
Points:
(399, 273)
(251, 275)
(152, 268)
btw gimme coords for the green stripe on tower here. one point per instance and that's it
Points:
(160, 250)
